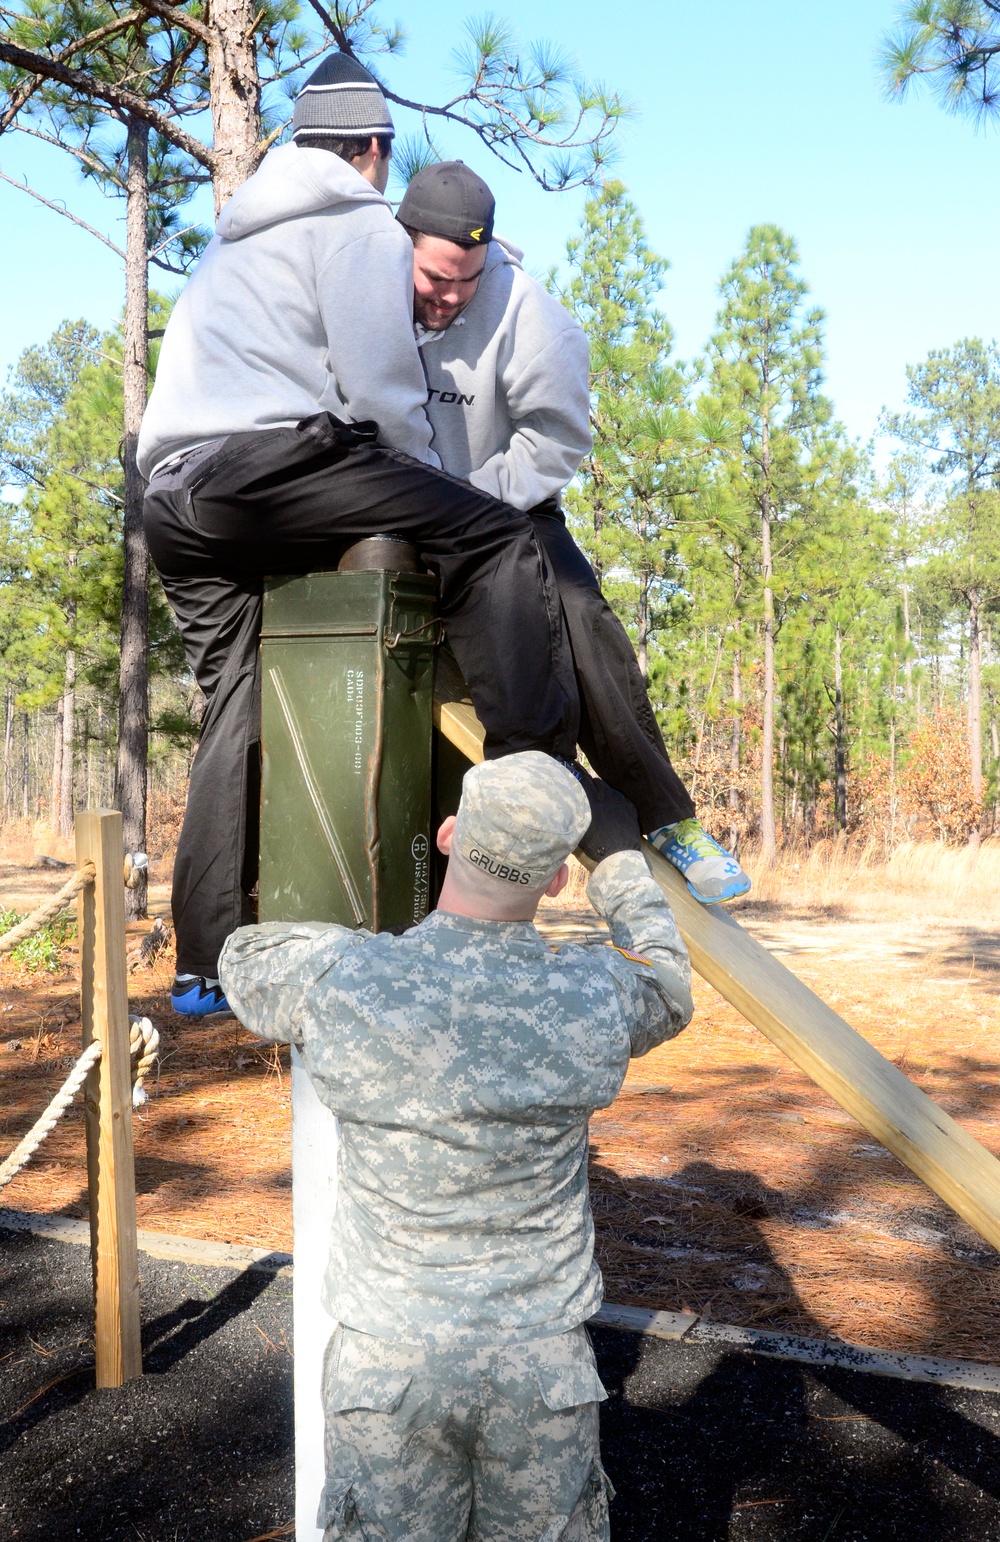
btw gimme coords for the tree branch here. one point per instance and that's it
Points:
(337, 32)
(24, 188)
(99, 34)
(178, 18)
(81, 155)
(126, 103)
(162, 246)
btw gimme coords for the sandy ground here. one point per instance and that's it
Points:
(723, 1180)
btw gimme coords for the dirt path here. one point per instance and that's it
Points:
(723, 1180)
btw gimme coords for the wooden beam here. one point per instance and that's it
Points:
(837, 1058)
(110, 1161)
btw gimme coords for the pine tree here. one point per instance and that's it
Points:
(764, 366)
(956, 394)
(630, 489)
(955, 45)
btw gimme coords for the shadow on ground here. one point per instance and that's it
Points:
(706, 1445)
(702, 1445)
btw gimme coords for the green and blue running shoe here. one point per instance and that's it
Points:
(712, 873)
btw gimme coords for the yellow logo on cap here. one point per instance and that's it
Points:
(476, 234)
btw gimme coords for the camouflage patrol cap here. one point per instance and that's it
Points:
(520, 817)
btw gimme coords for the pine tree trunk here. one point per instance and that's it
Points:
(55, 802)
(234, 91)
(908, 662)
(642, 640)
(8, 750)
(892, 783)
(736, 729)
(87, 739)
(975, 707)
(893, 793)
(102, 756)
(839, 745)
(25, 774)
(66, 804)
(133, 700)
(768, 836)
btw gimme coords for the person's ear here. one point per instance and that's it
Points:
(559, 882)
(444, 835)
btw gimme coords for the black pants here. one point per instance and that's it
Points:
(288, 500)
(618, 732)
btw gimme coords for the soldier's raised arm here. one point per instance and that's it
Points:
(270, 973)
(649, 962)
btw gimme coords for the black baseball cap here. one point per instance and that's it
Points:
(450, 201)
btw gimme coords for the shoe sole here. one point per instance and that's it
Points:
(225, 1011)
(733, 892)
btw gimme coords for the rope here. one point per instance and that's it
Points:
(144, 1041)
(142, 1036)
(22, 1153)
(45, 912)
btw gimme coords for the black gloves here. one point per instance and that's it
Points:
(614, 824)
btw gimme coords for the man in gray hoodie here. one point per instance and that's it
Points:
(287, 421)
(508, 376)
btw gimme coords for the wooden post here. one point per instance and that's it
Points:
(907, 1122)
(110, 1162)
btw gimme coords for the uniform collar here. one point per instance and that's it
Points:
(521, 931)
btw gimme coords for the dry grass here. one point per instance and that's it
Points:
(854, 881)
(919, 880)
(21, 842)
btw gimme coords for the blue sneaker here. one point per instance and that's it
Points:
(712, 873)
(192, 995)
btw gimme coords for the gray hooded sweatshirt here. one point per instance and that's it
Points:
(509, 386)
(302, 303)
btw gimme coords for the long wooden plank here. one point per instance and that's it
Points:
(869, 1087)
(110, 1162)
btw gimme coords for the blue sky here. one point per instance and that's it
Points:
(748, 111)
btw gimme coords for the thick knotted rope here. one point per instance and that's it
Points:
(22, 1153)
(45, 912)
(143, 1041)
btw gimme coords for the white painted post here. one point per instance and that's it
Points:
(315, 1136)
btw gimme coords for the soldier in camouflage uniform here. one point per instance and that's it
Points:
(464, 1059)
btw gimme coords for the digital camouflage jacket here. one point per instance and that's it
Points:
(464, 1059)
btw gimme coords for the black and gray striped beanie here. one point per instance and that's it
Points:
(341, 100)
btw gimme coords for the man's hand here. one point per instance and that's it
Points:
(614, 824)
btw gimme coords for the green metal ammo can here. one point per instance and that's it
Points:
(347, 695)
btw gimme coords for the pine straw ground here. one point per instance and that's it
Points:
(723, 1181)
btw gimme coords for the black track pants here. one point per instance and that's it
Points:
(618, 733)
(288, 500)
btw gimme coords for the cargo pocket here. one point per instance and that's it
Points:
(600, 1492)
(569, 1386)
(339, 1518)
(591, 1519)
(365, 1390)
